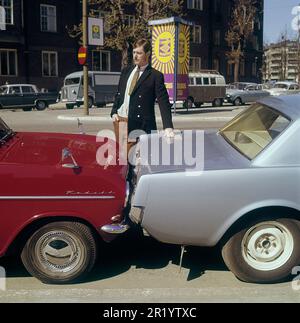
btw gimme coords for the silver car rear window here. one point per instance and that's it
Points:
(253, 130)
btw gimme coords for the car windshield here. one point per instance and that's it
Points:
(280, 86)
(72, 81)
(253, 130)
(3, 90)
(240, 86)
(5, 132)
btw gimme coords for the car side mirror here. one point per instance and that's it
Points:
(67, 154)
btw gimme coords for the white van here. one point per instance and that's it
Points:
(101, 90)
(206, 86)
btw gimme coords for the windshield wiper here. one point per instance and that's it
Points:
(7, 136)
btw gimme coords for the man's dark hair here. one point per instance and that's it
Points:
(143, 42)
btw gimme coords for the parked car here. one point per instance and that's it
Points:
(101, 89)
(284, 87)
(244, 197)
(55, 198)
(25, 96)
(242, 93)
(206, 86)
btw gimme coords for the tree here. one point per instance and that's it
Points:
(122, 31)
(283, 68)
(240, 29)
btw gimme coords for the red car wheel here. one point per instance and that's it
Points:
(60, 252)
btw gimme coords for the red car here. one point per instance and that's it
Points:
(55, 198)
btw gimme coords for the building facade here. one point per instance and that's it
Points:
(281, 61)
(35, 46)
(208, 44)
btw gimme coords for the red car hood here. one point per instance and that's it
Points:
(45, 149)
(32, 165)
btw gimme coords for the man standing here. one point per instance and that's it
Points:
(139, 86)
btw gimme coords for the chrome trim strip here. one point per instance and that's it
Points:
(57, 197)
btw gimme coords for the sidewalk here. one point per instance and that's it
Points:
(206, 113)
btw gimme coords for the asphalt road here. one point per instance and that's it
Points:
(135, 268)
(58, 119)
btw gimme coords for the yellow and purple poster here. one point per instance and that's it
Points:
(170, 54)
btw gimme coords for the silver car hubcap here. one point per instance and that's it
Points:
(59, 251)
(267, 246)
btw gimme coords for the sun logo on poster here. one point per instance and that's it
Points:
(163, 44)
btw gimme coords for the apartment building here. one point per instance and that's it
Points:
(35, 46)
(208, 47)
(281, 61)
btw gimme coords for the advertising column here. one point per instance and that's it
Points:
(170, 55)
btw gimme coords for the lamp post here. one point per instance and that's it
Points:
(85, 66)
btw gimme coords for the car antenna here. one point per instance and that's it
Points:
(80, 126)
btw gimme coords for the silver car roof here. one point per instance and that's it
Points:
(288, 105)
(9, 85)
(80, 73)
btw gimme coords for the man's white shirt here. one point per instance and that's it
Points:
(123, 110)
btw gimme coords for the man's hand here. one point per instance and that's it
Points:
(115, 117)
(169, 133)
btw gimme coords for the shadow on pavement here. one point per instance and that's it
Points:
(133, 249)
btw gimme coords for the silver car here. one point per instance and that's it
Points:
(284, 87)
(244, 195)
(244, 93)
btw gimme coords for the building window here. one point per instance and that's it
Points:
(216, 64)
(217, 37)
(8, 62)
(48, 18)
(195, 64)
(217, 6)
(255, 42)
(254, 68)
(230, 68)
(49, 64)
(196, 34)
(195, 4)
(101, 60)
(129, 20)
(258, 24)
(242, 67)
(9, 11)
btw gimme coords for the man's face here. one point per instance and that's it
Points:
(140, 58)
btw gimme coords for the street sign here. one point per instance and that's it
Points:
(95, 31)
(82, 55)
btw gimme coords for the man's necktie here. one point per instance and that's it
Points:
(134, 81)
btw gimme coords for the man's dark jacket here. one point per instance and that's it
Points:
(141, 114)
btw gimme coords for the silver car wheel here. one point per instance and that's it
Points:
(59, 251)
(267, 246)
